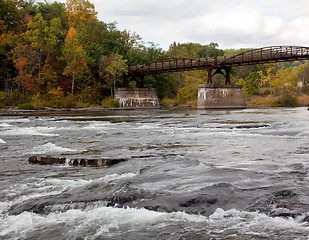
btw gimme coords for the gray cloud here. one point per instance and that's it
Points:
(231, 23)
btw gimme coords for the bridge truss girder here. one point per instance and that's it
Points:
(251, 57)
(218, 70)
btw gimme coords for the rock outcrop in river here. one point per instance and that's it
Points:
(75, 162)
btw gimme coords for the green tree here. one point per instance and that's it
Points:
(74, 56)
(44, 39)
(35, 36)
(192, 80)
(282, 83)
(115, 69)
(53, 10)
(53, 35)
(250, 85)
(210, 50)
(9, 21)
(303, 73)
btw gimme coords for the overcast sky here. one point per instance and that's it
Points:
(230, 23)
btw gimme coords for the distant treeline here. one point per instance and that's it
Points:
(62, 54)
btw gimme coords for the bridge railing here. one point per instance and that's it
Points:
(269, 54)
(255, 56)
(172, 65)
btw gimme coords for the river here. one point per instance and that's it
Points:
(188, 174)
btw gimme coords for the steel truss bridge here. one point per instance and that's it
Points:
(215, 65)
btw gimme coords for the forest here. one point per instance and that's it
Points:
(62, 56)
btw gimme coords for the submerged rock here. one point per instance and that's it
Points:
(75, 162)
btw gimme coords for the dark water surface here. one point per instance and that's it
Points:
(189, 174)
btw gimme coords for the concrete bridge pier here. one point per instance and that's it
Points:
(212, 96)
(137, 97)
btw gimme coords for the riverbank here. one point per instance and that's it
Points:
(251, 101)
(268, 101)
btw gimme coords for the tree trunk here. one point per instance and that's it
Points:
(73, 80)
(114, 86)
(73, 77)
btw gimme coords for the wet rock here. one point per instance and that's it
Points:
(121, 194)
(76, 162)
(83, 163)
(284, 194)
(284, 203)
(46, 160)
(198, 201)
(306, 219)
(248, 126)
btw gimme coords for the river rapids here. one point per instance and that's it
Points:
(188, 174)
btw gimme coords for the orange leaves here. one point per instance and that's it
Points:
(2, 26)
(71, 36)
(24, 61)
(24, 78)
(75, 56)
(20, 64)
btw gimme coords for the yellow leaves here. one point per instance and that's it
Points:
(2, 26)
(279, 79)
(56, 92)
(190, 88)
(5, 35)
(116, 67)
(112, 68)
(80, 12)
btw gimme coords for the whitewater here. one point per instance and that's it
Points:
(188, 174)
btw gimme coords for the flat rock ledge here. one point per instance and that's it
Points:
(75, 162)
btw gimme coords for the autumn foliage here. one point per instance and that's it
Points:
(60, 55)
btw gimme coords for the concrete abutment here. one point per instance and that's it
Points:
(137, 97)
(211, 96)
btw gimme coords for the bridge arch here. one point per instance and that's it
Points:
(215, 65)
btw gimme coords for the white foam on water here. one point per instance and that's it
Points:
(95, 126)
(113, 177)
(147, 126)
(29, 131)
(256, 224)
(51, 148)
(98, 125)
(2, 141)
(90, 223)
(35, 188)
(103, 221)
(17, 120)
(303, 134)
(5, 125)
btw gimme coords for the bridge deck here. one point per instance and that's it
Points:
(256, 56)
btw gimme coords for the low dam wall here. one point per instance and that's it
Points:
(137, 97)
(212, 96)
